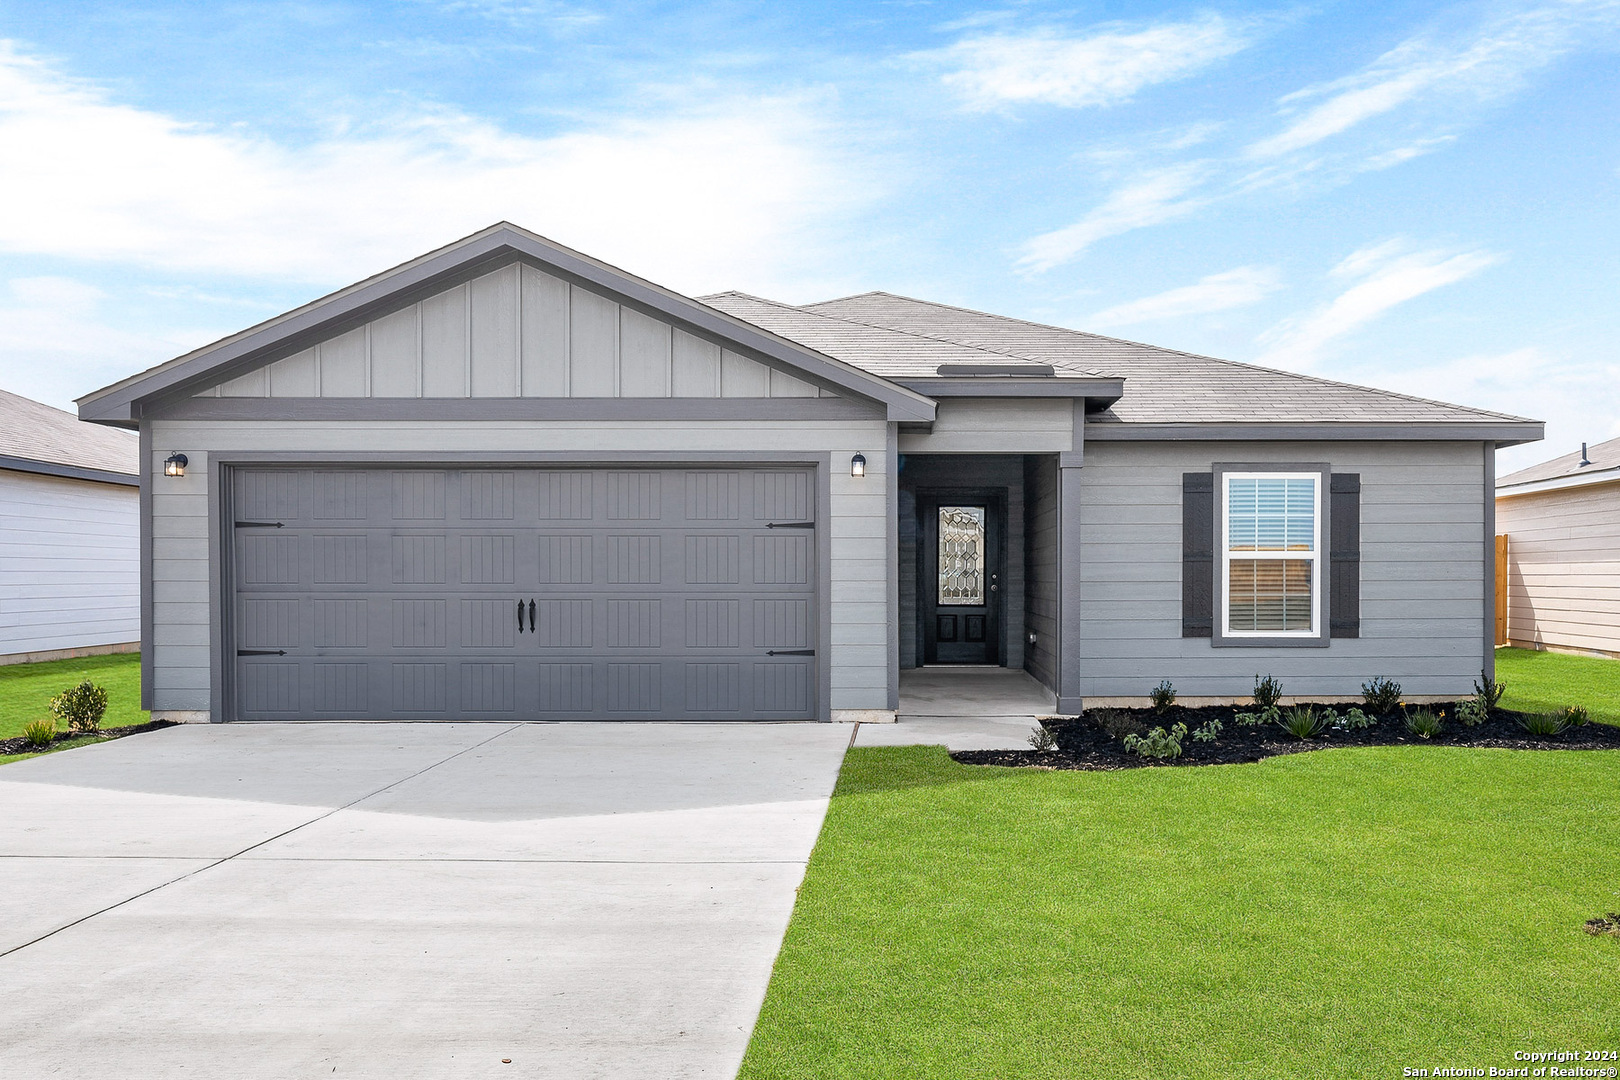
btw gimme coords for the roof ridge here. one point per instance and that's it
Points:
(802, 310)
(1182, 352)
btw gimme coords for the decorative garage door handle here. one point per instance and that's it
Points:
(520, 616)
(532, 623)
(260, 525)
(790, 525)
(790, 652)
(261, 652)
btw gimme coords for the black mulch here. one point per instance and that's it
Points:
(1084, 743)
(20, 745)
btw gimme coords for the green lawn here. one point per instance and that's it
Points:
(26, 691)
(1339, 913)
(1544, 681)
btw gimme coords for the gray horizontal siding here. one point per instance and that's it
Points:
(855, 536)
(1422, 572)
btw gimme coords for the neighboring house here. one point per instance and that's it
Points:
(508, 480)
(70, 581)
(1562, 523)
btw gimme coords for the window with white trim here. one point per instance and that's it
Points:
(1271, 567)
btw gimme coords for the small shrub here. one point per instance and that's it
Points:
(1267, 692)
(1354, 720)
(1268, 715)
(1207, 732)
(1302, 721)
(1164, 696)
(1382, 696)
(1424, 723)
(1469, 714)
(1118, 723)
(82, 707)
(1157, 743)
(1488, 692)
(1577, 716)
(39, 733)
(1543, 725)
(1042, 738)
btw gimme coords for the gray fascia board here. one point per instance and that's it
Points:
(69, 472)
(1502, 433)
(1101, 391)
(508, 409)
(119, 403)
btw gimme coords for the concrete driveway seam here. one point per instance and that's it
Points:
(251, 847)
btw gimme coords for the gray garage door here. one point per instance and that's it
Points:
(631, 594)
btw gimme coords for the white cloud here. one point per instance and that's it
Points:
(698, 199)
(1574, 396)
(1216, 292)
(1387, 278)
(1148, 200)
(61, 342)
(1491, 63)
(1103, 66)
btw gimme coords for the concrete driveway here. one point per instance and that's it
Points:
(403, 900)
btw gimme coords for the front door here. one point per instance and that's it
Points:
(959, 576)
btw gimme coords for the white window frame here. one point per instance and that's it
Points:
(1225, 555)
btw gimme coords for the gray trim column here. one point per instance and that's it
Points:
(1488, 665)
(891, 532)
(1069, 661)
(147, 615)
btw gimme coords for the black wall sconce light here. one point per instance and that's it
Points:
(175, 465)
(857, 465)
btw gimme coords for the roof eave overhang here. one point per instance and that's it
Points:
(120, 404)
(1099, 392)
(1499, 433)
(68, 472)
(1560, 483)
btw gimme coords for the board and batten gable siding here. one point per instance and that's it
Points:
(1563, 568)
(1423, 585)
(516, 332)
(855, 534)
(69, 564)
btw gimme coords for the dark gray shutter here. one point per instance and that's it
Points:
(1197, 554)
(1344, 582)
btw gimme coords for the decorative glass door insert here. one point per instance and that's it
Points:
(961, 556)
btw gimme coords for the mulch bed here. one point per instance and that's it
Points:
(21, 745)
(1084, 743)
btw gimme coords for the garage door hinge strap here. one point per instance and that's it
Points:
(261, 652)
(260, 525)
(790, 652)
(791, 525)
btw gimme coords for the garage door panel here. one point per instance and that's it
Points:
(657, 594)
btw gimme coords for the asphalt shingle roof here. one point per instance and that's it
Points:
(887, 351)
(1603, 457)
(1161, 385)
(35, 432)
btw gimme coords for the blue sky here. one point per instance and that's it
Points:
(1416, 196)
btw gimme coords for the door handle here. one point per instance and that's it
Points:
(261, 652)
(520, 616)
(790, 652)
(532, 624)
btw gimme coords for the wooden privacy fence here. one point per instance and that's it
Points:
(1501, 588)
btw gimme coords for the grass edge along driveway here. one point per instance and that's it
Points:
(1337, 913)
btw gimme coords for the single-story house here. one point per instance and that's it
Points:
(506, 479)
(1561, 524)
(70, 580)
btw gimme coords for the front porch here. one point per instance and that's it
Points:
(963, 708)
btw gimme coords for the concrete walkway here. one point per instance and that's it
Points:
(403, 900)
(963, 708)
